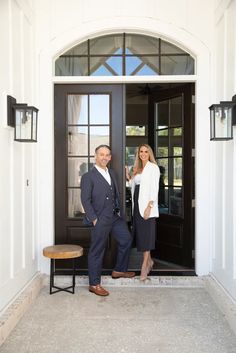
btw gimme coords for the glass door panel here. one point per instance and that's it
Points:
(99, 109)
(77, 109)
(162, 114)
(175, 198)
(78, 140)
(99, 135)
(75, 208)
(168, 148)
(76, 168)
(176, 111)
(88, 125)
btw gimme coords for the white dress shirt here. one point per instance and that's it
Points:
(105, 173)
(137, 179)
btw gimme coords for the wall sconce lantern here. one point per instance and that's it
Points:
(223, 117)
(24, 119)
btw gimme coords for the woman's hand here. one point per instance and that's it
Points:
(127, 173)
(147, 213)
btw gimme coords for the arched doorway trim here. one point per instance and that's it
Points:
(147, 26)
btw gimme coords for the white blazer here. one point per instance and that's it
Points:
(149, 188)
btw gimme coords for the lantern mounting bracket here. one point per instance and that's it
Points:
(11, 106)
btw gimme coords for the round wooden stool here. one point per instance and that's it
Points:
(64, 251)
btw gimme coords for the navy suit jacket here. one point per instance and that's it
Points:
(94, 193)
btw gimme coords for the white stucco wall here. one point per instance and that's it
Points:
(18, 212)
(223, 154)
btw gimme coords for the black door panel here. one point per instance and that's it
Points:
(85, 116)
(171, 117)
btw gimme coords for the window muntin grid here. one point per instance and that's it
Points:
(124, 55)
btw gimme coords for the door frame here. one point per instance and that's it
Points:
(203, 230)
(92, 88)
(203, 77)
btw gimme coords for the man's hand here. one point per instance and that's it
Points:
(95, 221)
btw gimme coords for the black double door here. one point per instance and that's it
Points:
(89, 115)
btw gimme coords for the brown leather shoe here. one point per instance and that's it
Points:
(98, 290)
(116, 274)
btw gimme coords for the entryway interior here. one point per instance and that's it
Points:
(161, 123)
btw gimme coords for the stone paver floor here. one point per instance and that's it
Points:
(130, 320)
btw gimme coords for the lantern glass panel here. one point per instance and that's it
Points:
(23, 124)
(34, 127)
(212, 116)
(221, 122)
(227, 115)
(18, 124)
(27, 124)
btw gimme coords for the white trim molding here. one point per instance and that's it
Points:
(146, 26)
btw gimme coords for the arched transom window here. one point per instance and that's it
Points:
(124, 55)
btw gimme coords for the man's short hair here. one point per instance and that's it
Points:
(101, 146)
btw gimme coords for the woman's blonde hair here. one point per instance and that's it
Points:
(138, 166)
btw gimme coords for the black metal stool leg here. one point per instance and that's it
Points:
(51, 275)
(73, 285)
(70, 289)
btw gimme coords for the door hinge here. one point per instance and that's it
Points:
(193, 203)
(193, 99)
(193, 152)
(193, 254)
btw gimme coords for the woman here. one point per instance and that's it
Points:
(145, 187)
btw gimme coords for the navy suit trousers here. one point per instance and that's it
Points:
(99, 236)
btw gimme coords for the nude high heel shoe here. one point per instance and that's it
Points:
(150, 266)
(144, 273)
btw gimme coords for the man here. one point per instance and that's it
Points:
(100, 199)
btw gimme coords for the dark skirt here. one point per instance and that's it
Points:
(144, 230)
